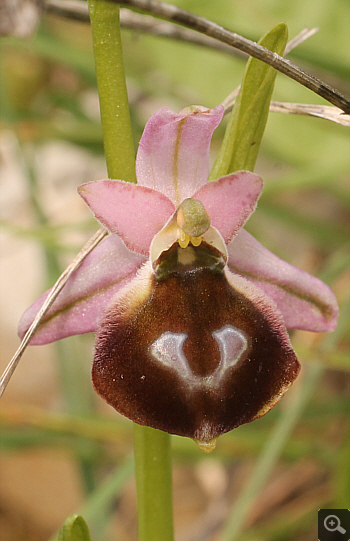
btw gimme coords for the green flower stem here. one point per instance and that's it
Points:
(154, 484)
(114, 106)
(152, 447)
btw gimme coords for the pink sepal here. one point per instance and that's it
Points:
(133, 212)
(80, 305)
(230, 201)
(304, 301)
(173, 154)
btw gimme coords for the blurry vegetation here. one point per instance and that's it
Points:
(48, 94)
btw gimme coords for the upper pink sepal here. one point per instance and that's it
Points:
(79, 306)
(230, 201)
(173, 154)
(133, 212)
(304, 301)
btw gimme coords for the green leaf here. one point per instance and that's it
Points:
(74, 529)
(248, 119)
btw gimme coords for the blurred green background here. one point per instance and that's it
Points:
(63, 450)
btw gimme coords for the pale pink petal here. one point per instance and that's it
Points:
(79, 306)
(230, 201)
(173, 154)
(133, 212)
(304, 301)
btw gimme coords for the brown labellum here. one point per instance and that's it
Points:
(191, 349)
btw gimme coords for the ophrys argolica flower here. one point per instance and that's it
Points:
(191, 312)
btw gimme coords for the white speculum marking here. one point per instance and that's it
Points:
(168, 350)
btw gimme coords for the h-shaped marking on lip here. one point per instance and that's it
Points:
(168, 349)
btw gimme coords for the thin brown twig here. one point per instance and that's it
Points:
(78, 10)
(292, 44)
(214, 36)
(326, 112)
(72, 9)
(200, 24)
(145, 23)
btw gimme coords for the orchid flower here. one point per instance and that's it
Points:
(191, 312)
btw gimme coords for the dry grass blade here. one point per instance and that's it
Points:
(327, 112)
(305, 34)
(57, 288)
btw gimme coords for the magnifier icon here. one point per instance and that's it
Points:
(332, 524)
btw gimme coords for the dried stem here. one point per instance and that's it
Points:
(327, 112)
(200, 24)
(78, 10)
(210, 29)
(305, 34)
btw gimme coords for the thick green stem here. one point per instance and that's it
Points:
(154, 484)
(115, 118)
(152, 447)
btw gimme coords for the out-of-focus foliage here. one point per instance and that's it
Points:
(63, 451)
(74, 529)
